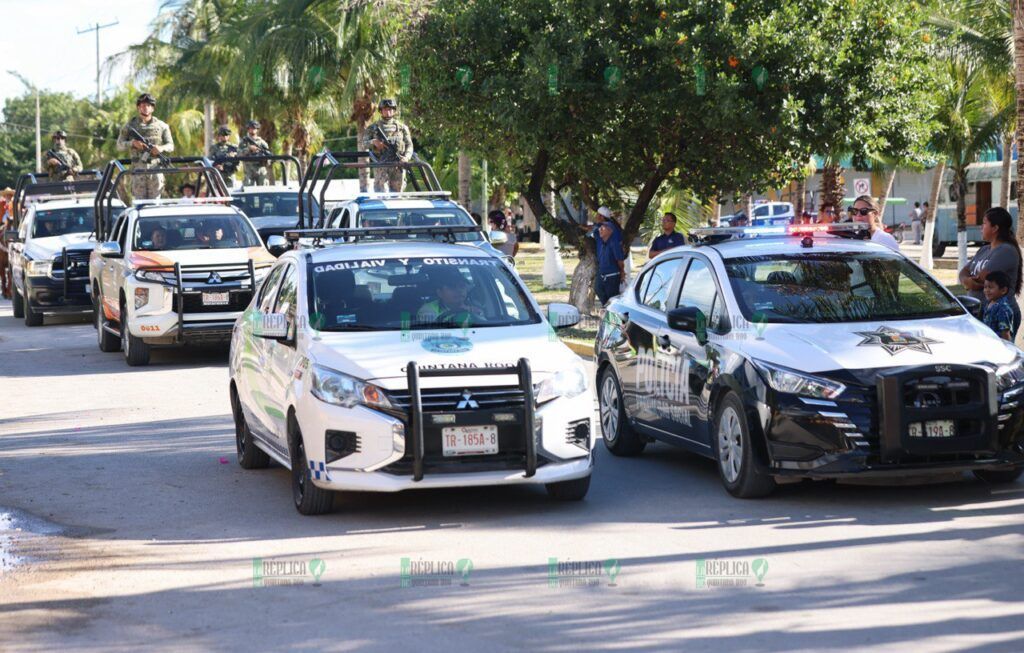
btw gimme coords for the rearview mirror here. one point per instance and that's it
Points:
(563, 316)
(688, 319)
(11, 236)
(109, 250)
(498, 237)
(270, 325)
(277, 245)
(971, 304)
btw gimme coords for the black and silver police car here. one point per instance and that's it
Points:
(805, 351)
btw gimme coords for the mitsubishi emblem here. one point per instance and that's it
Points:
(467, 401)
(214, 278)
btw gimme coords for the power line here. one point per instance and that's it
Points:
(4, 123)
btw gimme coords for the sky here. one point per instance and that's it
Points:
(40, 40)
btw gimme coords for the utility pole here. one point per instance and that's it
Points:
(39, 139)
(96, 28)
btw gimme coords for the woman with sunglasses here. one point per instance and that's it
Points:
(1002, 253)
(865, 209)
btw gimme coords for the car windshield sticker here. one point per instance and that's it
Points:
(345, 319)
(894, 341)
(447, 345)
(381, 262)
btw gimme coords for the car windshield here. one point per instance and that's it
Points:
(60, 222)
(417, 293)
(421, 218)
(156, 234)
(261, 205)
(850, 287)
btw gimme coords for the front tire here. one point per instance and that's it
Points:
(249, 455)
(999, 476)
(106, 341)
(17, 303)
(737, 466)
(136, 351)
(33, 318)
(308, 498)
(573, 490)
(619, 438)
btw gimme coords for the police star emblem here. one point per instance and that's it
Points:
(894, 341)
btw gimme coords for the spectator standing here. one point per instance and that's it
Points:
(611, 270)
(668, 238)
(499, 223)
(865, 209)
(999, 311)
(828, 214)
(916, 222)
(1001, 254)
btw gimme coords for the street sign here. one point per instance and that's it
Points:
(861, 186)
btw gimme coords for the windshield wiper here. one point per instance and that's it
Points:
(351, 327)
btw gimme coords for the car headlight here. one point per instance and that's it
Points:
(343, 390)
(564, 383)
(152, 276)
(783, 379)
(39, 268)
(1010, 374)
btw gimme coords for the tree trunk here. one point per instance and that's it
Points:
(801, 195)
(465, 177)
(500, 197)
(929, 217)
(960, 179)
(1004, 178)
(1018, 66)
(362, 115)
(890, 178)
(833, 186)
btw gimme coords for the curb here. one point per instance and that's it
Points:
(579, 347)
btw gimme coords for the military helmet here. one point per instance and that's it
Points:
(145, 98)
(60, 133)
(387, 103)
(252, 124)
(223, 130)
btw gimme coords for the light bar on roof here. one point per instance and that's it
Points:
(780, 230)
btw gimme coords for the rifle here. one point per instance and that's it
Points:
(146, 156)
(225, 161)
(63, 168)
(248, 142)
(389, 147)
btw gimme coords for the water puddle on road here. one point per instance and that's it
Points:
(16, 527)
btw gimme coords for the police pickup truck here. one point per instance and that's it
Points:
(789, 352)
(386, 362)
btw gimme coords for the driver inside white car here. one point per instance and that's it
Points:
(452, 304)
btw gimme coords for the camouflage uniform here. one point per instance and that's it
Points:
(396, 134)
(254, 172)
(158, 133)
(73, 160)
(223, 151)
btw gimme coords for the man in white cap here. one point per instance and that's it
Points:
(604, 214)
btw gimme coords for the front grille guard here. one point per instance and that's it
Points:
(415, 414)
(179, 288)
(64, 260)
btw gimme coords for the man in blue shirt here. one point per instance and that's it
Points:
(611, 270)
(668, 238)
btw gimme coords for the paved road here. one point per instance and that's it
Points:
(134, 533)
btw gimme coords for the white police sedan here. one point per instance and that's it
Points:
(387, 365)
(790, 352)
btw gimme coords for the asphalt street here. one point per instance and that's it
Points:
(126, 523)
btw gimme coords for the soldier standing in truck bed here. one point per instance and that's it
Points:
(222, 152)
(392, 143)
(158, 134)
(255, 172)
(67, 163)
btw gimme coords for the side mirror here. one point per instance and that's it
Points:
(109, 250)
(11, 236)
(497, 237)
(563, 316)
(971, 304)
(277, 245)
(270, 325)
(689, 319)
